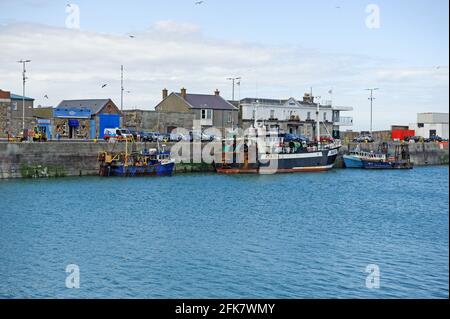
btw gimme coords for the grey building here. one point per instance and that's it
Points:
(207, 110)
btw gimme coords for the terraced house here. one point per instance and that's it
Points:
(207, 110)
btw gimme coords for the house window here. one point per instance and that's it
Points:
(254, 114)
(230, 117)
(14, 106)
(420, 125)
(325, 116)
(272, 114)
(206, 114)
(309, 116)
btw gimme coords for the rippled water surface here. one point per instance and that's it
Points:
(196, 236)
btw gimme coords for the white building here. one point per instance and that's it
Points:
(431, 124)
(293, 116)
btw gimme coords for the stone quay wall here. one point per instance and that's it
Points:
(54, 159)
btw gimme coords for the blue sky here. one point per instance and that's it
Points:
(412, 40)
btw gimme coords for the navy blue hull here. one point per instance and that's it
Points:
(131, 171)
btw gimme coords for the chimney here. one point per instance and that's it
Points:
(183, 93)
(165, 94)
(217, 92)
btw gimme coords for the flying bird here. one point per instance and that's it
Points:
(104, 85)
(132, 36)
(199, 2)
(46, 96)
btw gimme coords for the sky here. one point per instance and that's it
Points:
(280, 49)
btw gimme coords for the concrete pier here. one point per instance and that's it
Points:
(58, 159)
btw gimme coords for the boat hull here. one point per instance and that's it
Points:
(386, 165)
(284, 163)
(159, 169)
(352, 161)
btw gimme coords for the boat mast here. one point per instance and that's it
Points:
(318, 123)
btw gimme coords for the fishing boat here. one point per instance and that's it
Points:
(271, 152)
(153, 162)
(355, 159)
(399, 160)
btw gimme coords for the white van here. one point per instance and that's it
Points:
(119, 134)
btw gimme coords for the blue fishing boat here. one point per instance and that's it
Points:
(356, 159)
(400, 159)
(145, 163)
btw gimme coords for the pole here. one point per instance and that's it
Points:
(371, 98)
(24, 76)
(233, 89)
(371, 112)
(318, 124)
(23, 97)
(121, 88)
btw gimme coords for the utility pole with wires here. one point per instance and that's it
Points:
(371, 98)
(24, 75)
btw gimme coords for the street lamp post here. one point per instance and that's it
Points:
(233, 80)
(24, 75)
(121, 88)
(371, 98)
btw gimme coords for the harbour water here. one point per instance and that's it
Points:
(306, 235)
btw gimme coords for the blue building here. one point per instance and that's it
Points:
(85, 119)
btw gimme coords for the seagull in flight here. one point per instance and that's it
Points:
(132, 36)
(46, 96)
(104, 85)
(199, 2)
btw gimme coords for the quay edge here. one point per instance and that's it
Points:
(60, 159)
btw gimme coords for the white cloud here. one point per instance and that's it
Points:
(70, 64)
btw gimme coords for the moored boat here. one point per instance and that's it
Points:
(145, 163)
(356, 159)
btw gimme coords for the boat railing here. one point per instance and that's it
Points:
(369, 155)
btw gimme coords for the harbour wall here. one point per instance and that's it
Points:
(58, 159)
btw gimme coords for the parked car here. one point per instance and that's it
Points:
(164, 138)
(295, 138)
(150, 137)
(117, 134)
(414, 139)
(176, 137)
(364, 139)
(136, 134)
(196, 136)
(434, 139)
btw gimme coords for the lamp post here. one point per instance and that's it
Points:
(371, 98)
(24, 75)
(233, 80)
(121, 88)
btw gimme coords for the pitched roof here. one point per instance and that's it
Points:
(203, 101)
(19, 97)
(95, 106)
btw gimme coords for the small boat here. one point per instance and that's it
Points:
(145, 163)
(356, 159)
(369, 160)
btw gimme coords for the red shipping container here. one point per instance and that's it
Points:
(402, 134)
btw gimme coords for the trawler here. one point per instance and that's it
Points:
(153, 162)
(271, 152)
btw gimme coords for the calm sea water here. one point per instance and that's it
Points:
(198, 236)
